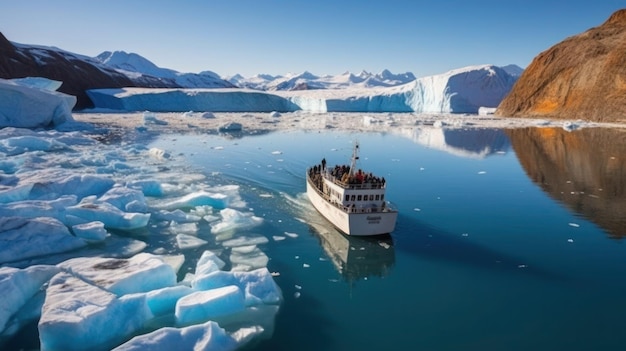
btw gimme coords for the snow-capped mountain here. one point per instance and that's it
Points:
(309, 81)
(134, 65)
(462, 90)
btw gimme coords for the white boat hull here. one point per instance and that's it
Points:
(353, 223)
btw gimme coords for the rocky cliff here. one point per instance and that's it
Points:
(583, 77)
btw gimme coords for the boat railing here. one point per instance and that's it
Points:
(388, 206)
(365, 185)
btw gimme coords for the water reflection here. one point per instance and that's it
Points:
(357, 258)
(584, 169)
(354, 257)
(471, 143)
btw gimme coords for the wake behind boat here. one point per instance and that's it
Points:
(352, 200)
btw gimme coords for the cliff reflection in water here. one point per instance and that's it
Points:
(584, 169)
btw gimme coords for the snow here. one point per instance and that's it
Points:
(463, 90)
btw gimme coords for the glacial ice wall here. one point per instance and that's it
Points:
(458, 91)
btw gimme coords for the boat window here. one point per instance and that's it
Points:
(358, 198)
(371, 197)
(382, 196)
(347, 198)
(377, 197)
(352, 198)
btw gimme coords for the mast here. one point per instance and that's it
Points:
(355, 156)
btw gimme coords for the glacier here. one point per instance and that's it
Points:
(463, 90)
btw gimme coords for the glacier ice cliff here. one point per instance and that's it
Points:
(462, 90)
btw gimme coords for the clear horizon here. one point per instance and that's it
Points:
(279, 37)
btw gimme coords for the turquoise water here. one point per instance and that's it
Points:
(506, 240)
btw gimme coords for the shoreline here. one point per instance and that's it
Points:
(254, 122)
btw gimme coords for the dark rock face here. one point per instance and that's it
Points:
(583, 77)
(76, 72)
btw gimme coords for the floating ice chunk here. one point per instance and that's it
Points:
(148, 187)
(277, 152)
(207, 336)
(151, 118)
(207, 115)
(140, 273)
(199, 198)
(184, 228)
(178, 216)
(123, 198)
(39, 82)
(246, 241)
(162, 301)
(17, 286)
(575, 225)
(204, 305)
(158, 153)
(570, 240)
(17, 193)
(258, 285)
(208, 263)
(482, 172)
(78, 185)
(230, 127)
(80, 316)
(296, 295)
(438, 124)
(91, 231)
(275, 114)
(235, 220)
(278, 238)
(22, 238)
(306, 265)
(22, 144)
(186, 242)
(291, 235)
(39, 208)
(417, 209)
(247, 258)
(175, 261)
(111, 216)
(28, 107)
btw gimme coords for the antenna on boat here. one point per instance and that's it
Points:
(355, 156)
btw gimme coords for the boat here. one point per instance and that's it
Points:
(352, 200)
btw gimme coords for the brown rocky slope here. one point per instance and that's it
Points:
(582, 77)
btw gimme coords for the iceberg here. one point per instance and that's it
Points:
(25, 106)
(17, 286)
(209, 305)
(141, 273)
(22, 238)
(80, 316)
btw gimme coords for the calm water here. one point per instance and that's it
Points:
(506, 240)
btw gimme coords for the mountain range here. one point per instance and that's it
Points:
(119, 69)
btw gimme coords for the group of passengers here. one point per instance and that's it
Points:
(342, 174)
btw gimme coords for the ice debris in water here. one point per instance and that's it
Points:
(52, 214)
(575, 225)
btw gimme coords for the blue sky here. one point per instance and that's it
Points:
(322, 37)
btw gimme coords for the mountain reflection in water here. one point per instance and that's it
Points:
(584, 169)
